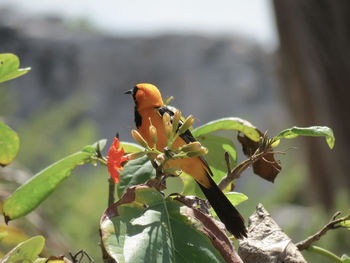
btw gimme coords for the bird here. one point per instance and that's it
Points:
(149, 109)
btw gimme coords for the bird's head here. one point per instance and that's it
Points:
(146, 96)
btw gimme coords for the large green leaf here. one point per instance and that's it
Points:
(309, 131)
(28, 196)
(217, 147)
(146, 227)
(9, 144)
(232, 123)
(9, 67)
(25, 252)
(135, 172)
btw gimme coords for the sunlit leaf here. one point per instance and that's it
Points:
(146, 227)
(345, 258)
(236, 198)
(53, 260)
(9, 144)
(173, 185)
(217, 147)
(13, 237)
(25, 252)
(345, 224)
(236, 124)
(309, 131)
(28, 196)
(191, 187)
(131, 147)
(9, 67)
(135, 172)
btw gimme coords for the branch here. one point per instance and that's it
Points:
(331, 225)
(238, 170)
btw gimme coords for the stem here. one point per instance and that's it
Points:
(111, 190)
(100, 160)
(324, 252)
(333, 224)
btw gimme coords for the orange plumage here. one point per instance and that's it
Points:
(148, 102)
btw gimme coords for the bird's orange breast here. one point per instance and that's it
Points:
(193, 166)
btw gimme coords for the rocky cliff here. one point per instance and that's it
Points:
(209, 76)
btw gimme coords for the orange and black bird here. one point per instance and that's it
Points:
(149, 107)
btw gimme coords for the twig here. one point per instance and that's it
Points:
(231, 175)
(78, 257)
(238, 170)
(331, 225)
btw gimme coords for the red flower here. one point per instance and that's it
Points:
(115, 160)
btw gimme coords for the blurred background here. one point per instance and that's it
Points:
(274, 63)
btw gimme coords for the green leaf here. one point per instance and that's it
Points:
(173, 185)
(309, 131)
(100, 144)
(131, 147)
(53, 259)
(9, 144)
(25, 252)
(135, 172)
(236, 198)
(9, 67)
(145, 227)
(345, 258)
(217, 147)
(11, 236)
(28, 196)
(236, 124)
(97, 145)
(345, 224)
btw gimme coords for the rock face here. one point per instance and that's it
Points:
(210, 77)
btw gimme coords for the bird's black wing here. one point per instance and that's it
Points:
(227, 213)
(186, 136)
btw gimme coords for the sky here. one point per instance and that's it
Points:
(252, 19)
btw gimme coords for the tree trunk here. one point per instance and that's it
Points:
(315, 56)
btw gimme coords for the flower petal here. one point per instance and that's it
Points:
(115, 160)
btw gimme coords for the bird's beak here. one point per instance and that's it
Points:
(128, 92)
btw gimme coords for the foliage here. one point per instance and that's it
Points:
(152, 221)
(9, 141)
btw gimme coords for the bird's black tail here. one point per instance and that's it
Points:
(227, 213)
